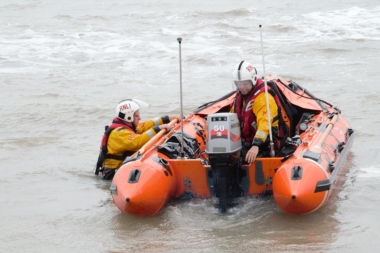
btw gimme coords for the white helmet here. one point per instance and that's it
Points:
(244, 71)
(126, 108)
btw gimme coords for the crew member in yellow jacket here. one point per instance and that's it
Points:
(127, 134)
(251, 109)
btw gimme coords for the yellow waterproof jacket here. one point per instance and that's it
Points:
(257, 125)
(122, 140)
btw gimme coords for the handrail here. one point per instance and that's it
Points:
(152, 141)
(318, 147)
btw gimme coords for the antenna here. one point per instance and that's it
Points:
(267, 100)
(182, 154)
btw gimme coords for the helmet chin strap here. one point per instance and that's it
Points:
(133, 124)
(130, 123)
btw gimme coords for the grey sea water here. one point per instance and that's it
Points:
(65, 65)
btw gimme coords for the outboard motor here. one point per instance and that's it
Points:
(223, 146)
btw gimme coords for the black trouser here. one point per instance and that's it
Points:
(108, 173)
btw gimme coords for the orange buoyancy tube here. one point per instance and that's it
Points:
(145, 185)
(303, 183)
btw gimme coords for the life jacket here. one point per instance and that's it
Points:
(248, 120)
(103, 154)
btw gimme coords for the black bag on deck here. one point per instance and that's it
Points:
(172, 147)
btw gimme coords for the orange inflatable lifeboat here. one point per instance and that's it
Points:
(201, 158)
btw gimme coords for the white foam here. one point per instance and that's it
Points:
(350, 23)
(370, 172)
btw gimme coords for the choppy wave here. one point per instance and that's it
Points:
(241, 11)
(353, 23)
